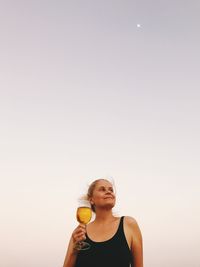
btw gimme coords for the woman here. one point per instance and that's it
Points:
(115, 241)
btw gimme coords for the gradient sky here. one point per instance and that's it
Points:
(85, 93)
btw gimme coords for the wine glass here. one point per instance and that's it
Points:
(83, 215)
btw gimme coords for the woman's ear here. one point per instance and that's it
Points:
(91, 201)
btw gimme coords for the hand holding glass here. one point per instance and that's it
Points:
(83, 215)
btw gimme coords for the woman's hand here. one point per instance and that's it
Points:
(79, 233)
(77, 236)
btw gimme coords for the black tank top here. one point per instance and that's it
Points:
(114, 252)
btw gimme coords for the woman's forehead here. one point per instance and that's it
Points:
(103, 182)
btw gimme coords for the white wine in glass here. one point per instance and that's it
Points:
(83, 215)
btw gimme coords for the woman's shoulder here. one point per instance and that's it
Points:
(131, 223)
(132, 227)
(131, 230)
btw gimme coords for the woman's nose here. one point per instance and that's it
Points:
(109, 192)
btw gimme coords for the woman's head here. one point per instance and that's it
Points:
(101, 194)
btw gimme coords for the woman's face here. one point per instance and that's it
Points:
(103, 196)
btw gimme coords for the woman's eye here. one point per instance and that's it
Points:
(102, 189)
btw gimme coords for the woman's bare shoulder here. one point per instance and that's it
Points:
(131, 223)
(135, 239)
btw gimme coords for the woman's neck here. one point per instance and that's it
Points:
(103, 216)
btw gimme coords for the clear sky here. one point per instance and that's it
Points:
(92, 89)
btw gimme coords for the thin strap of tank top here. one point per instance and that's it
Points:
(120, 229)
(121, 223)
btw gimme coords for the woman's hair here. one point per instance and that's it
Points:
(91, 190)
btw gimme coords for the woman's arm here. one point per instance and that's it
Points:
(70, 258)
(136, 241)
(71, 255)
